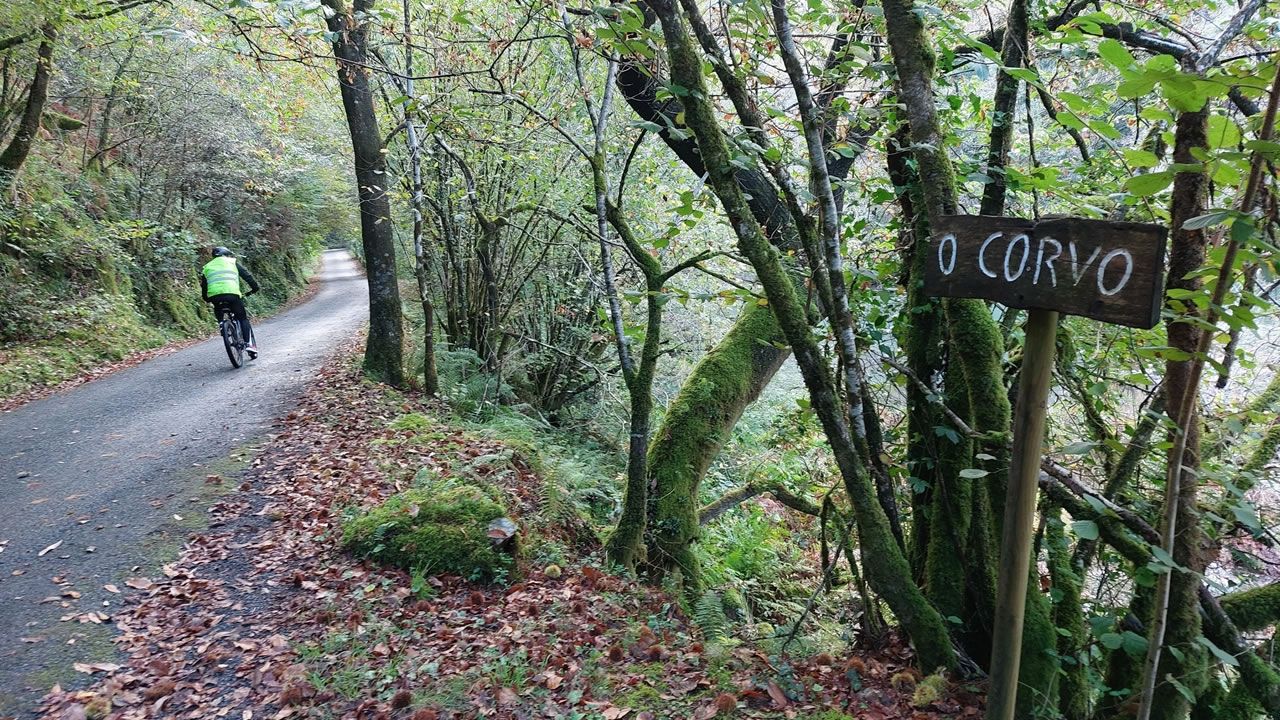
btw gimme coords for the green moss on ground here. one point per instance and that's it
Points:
(434, 531)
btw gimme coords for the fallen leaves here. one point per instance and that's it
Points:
(91, 668)
(507, 696)
(161, 689)
(49, 549)
(263, 616)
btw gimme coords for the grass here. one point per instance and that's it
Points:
(166, 543)
(74, 642)
(113, 332)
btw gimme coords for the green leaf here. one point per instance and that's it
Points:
(1226, 174)
(1183, 690)
(1223, 656)
(1162, 64)
(1141, 158)
(1100, 624)
(1266, 147)
(1247, 517)
(1111, 641)
(1095, 503)
(1105, 129)
(1075, 102)
(1071, 121)
(1183, 93)
(1023, 74)
(1082, 447)
(1135, 87)
(973, 473)
(1209, 219)
(1155, 114)
(1149, 184)
(1085, 530)
(1115, 53)
(1162, 556)
(1133, 643)
(1223, 132)
(1242, 230)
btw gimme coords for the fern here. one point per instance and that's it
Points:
(708, 615)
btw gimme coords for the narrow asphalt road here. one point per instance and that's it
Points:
(114, 474)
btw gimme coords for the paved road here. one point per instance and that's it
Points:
(115, 471)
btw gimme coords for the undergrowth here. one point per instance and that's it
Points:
(84, 281)
(758, 559)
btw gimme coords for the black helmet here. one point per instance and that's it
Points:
(221, 251)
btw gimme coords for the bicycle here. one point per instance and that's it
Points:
(232, 340)
(229, 328)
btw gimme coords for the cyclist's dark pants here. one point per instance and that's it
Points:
(235, 304)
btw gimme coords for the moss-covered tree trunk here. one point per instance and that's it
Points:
(975, 345)
(626, 546)
(700, 421)
(887, 568)
(1075, 694)
(923, 345)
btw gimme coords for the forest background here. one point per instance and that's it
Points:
(678, 248)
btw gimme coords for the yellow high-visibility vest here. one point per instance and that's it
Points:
(222, 276)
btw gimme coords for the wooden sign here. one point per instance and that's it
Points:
(1108, 271)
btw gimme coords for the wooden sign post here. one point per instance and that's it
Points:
(1108, 271)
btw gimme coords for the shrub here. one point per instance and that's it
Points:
(433, 531)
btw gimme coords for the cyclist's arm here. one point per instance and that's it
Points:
(204, 287)
(244, 275)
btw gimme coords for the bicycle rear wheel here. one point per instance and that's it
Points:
(231, 339)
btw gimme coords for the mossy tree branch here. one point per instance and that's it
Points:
(887, 567)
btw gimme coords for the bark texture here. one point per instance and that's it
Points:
(384, 348)
(1187, 254)
(15, 155)
(698, 424)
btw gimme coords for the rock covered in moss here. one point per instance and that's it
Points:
(433, 530)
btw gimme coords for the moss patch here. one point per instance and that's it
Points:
(432, 530)
(1254, 609)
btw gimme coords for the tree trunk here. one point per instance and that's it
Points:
(886, 566)
(13, 157)
(384, 348)
(923, 345)
(1074, 691)
(975, 345)
(1012, 55)
(98, 160)
(626, 546)
(423, 254)
(701, 418)
(1187, 254)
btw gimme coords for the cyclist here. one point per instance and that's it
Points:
(220, 284)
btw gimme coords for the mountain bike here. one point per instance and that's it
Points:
(232, 335)
(229, 328)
